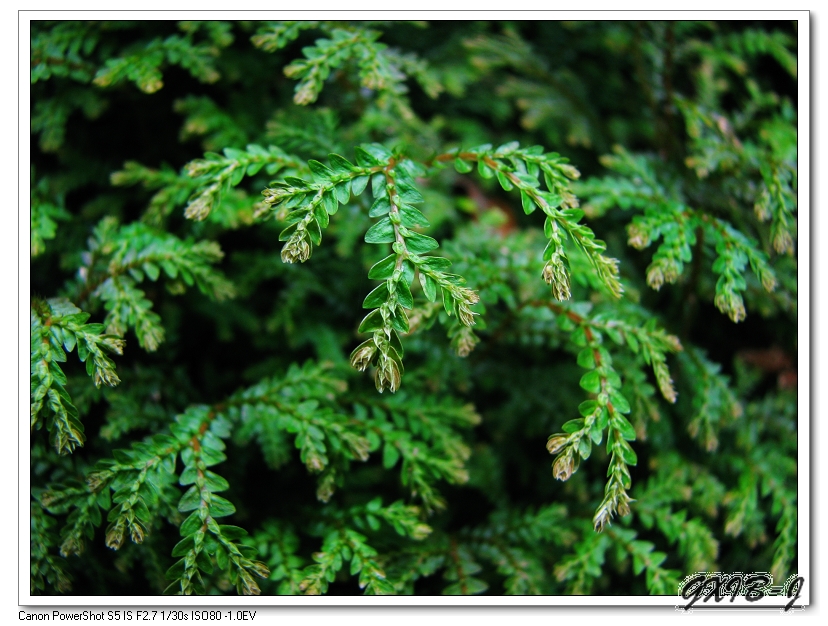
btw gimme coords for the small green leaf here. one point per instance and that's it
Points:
(383, 269)
(191, 524)
(412, 217)
(408, 272)
(410, 195)
(330, 202)
(586, 358)
(378, 150)
(183, 546)
(237, 176)
(448, 301)
(359, 184)
(417, 243)
(60, 377)
(579, 336)
(399, 321)
(572, 215)
(504, 181)
(464, 167)
(404, 296)
(619, 402)
(380, 207)
(584, 448)
(215, 482)
(152, 271)
(591, 381)
(573, 425)
(141, 511)
(638, 563)
(343, 192)
(232, 153)
(390, 455)
(204, 562)
(103, 500)
(435, 263)
(190, 500)
(314, 232)
(395, 342)
(596, 433)
(484, 170)
(209, 441)
(527, 180)
(412, 168)
(212, 457)
(188, 476)
(233, 533)
(377, 297)
(339, 164)
(69, 341)
(628, 454)
(373, 321)
(623, 426)
(283, 236)
(603, 418)
(527, 202)
(322, 216)
(378, 187)
(222, 560)
(171, 269)
(320, 171)
(364, 158)
(220, 507)
(296, 216)
(176, 571)
(587, 407)
(296, 200)
(429, 286)
(381, 232)
(549, 232)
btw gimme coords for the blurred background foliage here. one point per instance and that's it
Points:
(684, 134)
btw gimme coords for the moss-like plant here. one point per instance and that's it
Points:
(336, 189)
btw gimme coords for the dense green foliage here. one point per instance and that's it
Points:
(581, 235)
